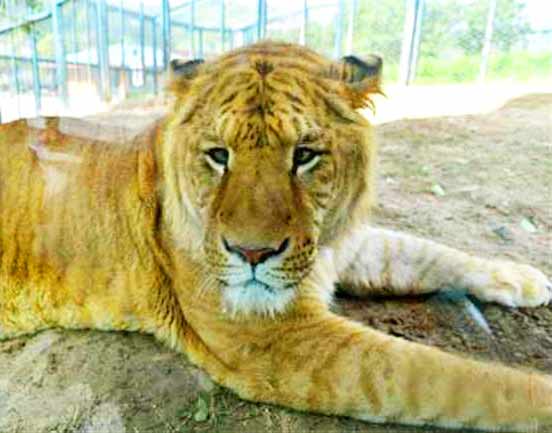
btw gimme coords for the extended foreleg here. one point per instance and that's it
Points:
(383, 261)
(329, 365)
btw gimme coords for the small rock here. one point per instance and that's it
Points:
(105, 419)
(528, 225)
(438, 190)
(503, 233)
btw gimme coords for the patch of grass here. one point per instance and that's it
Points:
(518, 66)
(209, 411)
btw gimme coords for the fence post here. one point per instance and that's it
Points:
(103, 50)
(166, 23)
(338, 42)
(231, 38)
(88, 42)
(61, 65)
(411, 41)
(13, 62)
(416, 41)
(142, 43)
(351, 27)
(123, 25)
(123, 79)
(154, 43)
(487, 42)
(261, 19)
(74, 39)
(192, 29)
(222, 25)
(36, 74)
(303, 34)
(200, 51)
(265, 18)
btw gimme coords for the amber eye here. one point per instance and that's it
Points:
(304, 158)
(218, 155)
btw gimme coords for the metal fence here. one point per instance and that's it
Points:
(73, 56)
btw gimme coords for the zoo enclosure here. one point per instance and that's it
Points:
(72, 56)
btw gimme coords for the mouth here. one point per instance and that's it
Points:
(255, 284)
(256, 297)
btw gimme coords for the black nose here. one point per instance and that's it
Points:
(254, 256)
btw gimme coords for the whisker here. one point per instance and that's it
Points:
(205, 285)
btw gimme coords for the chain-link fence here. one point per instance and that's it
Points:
(73, 56)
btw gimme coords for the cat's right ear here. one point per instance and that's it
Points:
(182, 73)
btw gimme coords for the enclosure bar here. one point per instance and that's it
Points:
(123, 31)
(123, 84)
(61, 65)
(74, 41)
(259, 11)
(154, 44)
(36, 71)
(261, 19)
(192, 28)
(187, 26)
(103, 50)
(487, 41)
(351, 27)
(182, 6)
(222, 24)
(411, 41)
(13, 63)
(29, 60)
(304, 23)
(265, 18)
(231, 38)
(30, 19)
(408, 37)
(416, 41)
(252, 27)
(142, 43)
(40, 60)
(338, 42)
(89, 41)
(200, 51)
(166, 32)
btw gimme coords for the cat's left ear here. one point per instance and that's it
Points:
(361, 77)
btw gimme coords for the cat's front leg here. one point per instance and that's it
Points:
(375, 260)
(324, 363)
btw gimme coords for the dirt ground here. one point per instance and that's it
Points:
(481, 183)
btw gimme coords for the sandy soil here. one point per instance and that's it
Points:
(477, 182)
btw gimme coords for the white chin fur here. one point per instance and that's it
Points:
(254, 298)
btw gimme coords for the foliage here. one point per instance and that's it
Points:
(379, 29)
(513, 65)
(452, 26)
(20, 8)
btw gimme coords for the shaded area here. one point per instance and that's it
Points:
(494, 172)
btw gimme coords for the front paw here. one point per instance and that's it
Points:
(513, 285)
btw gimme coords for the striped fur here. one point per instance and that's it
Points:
(104, 233)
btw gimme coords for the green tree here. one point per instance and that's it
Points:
(458, 26)
(379, 28)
